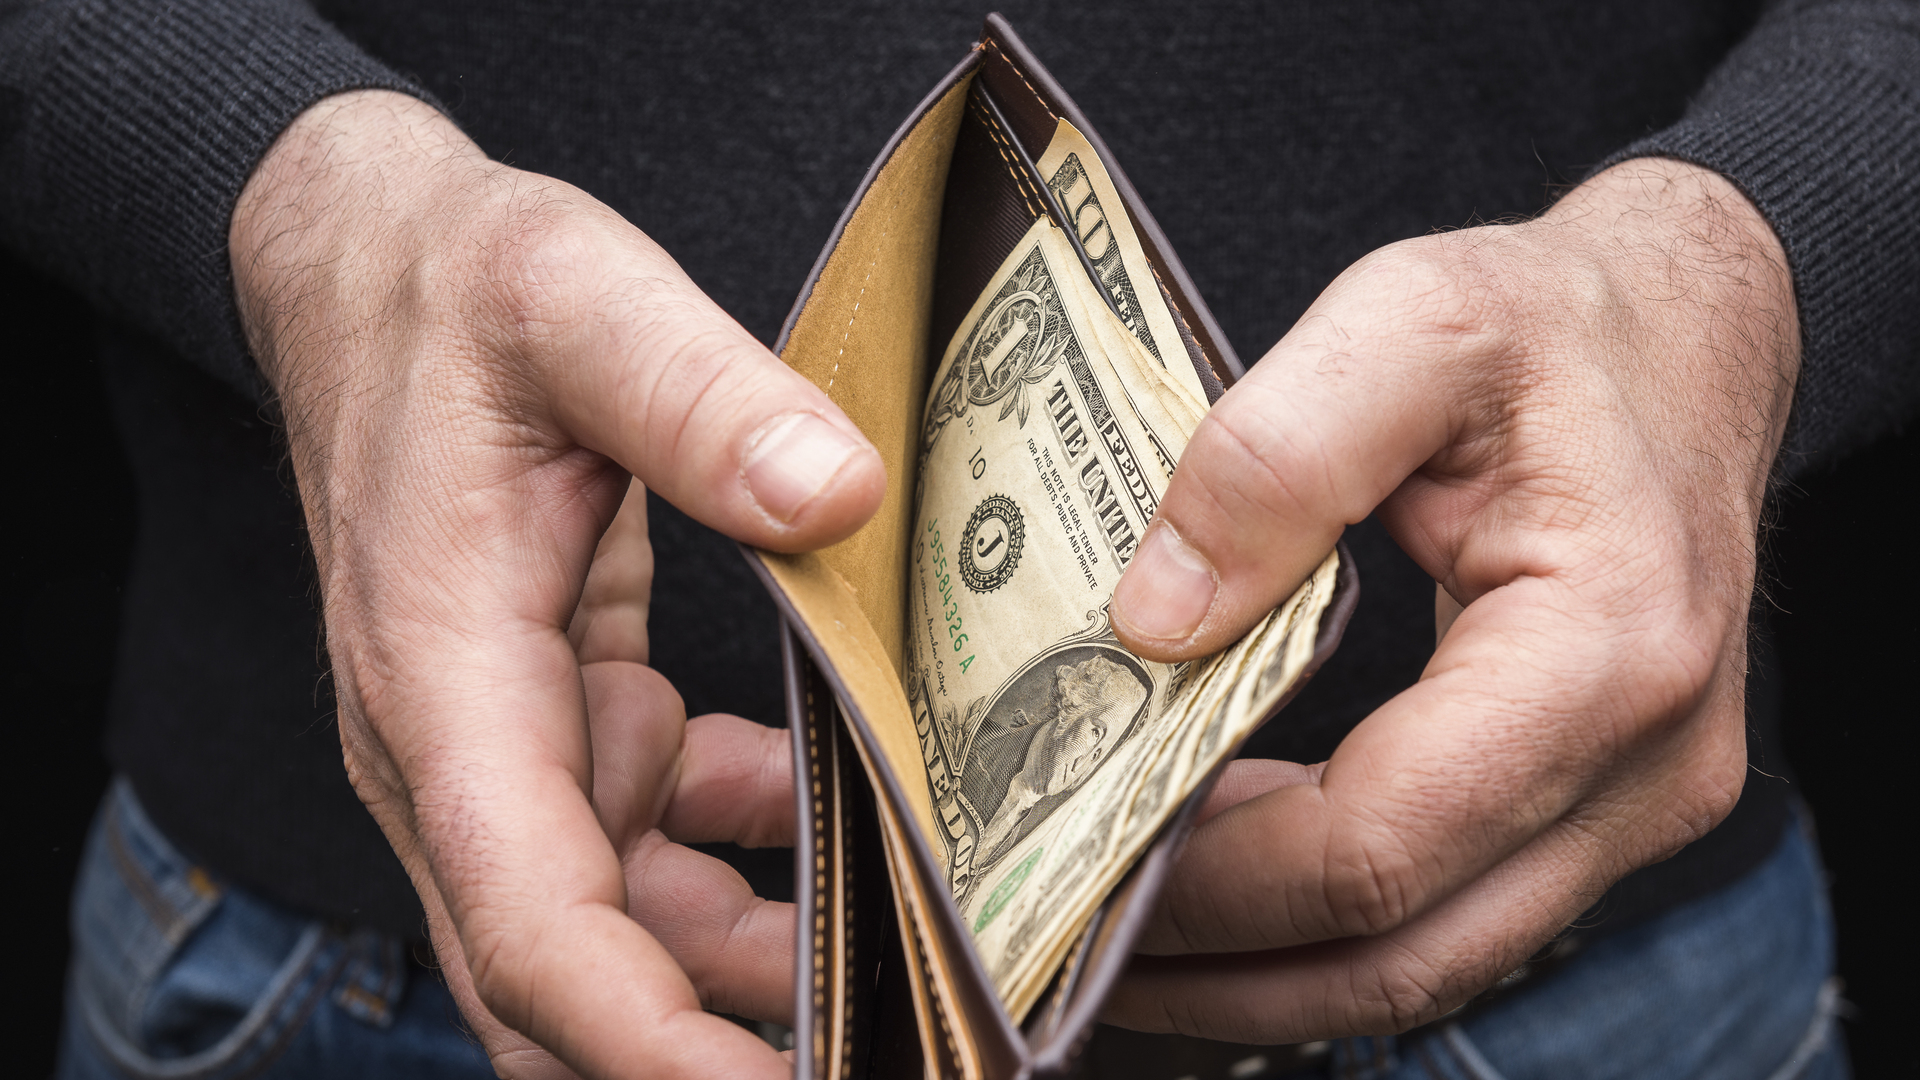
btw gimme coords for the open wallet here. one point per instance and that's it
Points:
(982, 834)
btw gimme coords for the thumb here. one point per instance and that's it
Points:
(638, 364)
(1366, 388)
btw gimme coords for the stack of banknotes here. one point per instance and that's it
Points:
(1052, 755)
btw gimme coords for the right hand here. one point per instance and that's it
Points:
(471, 361)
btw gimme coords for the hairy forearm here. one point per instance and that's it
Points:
(324, 236)
(1815, 116)
(1692, 260)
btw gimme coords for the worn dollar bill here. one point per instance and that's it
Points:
(1080, 181)
(1036, 906)
(1035, 483)
(1051, 753)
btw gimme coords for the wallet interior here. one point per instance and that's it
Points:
(939, 212)
(888, 982)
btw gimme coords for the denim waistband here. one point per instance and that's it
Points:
(178, 974)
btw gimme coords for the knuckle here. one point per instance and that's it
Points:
(530, 270)
(1399, 993)
(1374, 888)
(1365, 904)
(1187, 1016)
(1680, 660)
(1198, 919)
(1188, 923)
(1719, 791)
(539, 269)
(500, 962)
(1255, 464)
(377, 782)
(699, 360)
(515, 1061)
(1448, 287)
(773, 825)
(699, 387)
(1695, 647)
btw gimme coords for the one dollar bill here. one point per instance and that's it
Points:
(1052, 754)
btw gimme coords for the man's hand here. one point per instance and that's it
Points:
(471, 361)
(1569, 424)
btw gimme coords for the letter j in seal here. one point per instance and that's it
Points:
(990, 545)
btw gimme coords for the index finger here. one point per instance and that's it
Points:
(535, 894)
(1522, 720)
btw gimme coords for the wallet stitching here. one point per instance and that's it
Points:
(843, 812)
(819, 886)
(939, 1005)
(1001, 144)
(1001, 53)
(879, 250)
(1005, 149)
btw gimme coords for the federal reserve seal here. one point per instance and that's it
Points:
(990, 546)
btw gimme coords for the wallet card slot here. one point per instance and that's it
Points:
(1034, 182)
(865, 909)
(985, 212)
(899, 1038)
(994, 194)
(878, 1007)
(850, 971)
(972, 1024)
(1034, 101)
(1029, 117)
(908, 975)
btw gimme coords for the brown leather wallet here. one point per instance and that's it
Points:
(886, 981)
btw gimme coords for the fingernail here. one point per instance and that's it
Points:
(1167, 590)
(792, 459)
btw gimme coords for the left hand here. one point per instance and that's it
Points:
(472, 362)
(1569, 424)
(661, 781)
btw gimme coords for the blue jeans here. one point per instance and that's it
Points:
(179, 975)
(1736, 985)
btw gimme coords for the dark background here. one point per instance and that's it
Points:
(1840, 571)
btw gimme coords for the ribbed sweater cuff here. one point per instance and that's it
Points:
(145, 119)
(1816, 118)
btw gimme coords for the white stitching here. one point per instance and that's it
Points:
(879, 249)
(1476, 1064)
(1003, 143)
(1008, 60)
(1818, 1032)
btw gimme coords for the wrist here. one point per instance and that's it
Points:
(331, 217)
(1698, 287)
(333, 257)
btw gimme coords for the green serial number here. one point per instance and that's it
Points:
(950, 611)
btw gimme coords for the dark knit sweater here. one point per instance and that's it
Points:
(1276, 143)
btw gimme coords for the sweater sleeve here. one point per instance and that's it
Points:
(1816, 117)
(127, 129)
